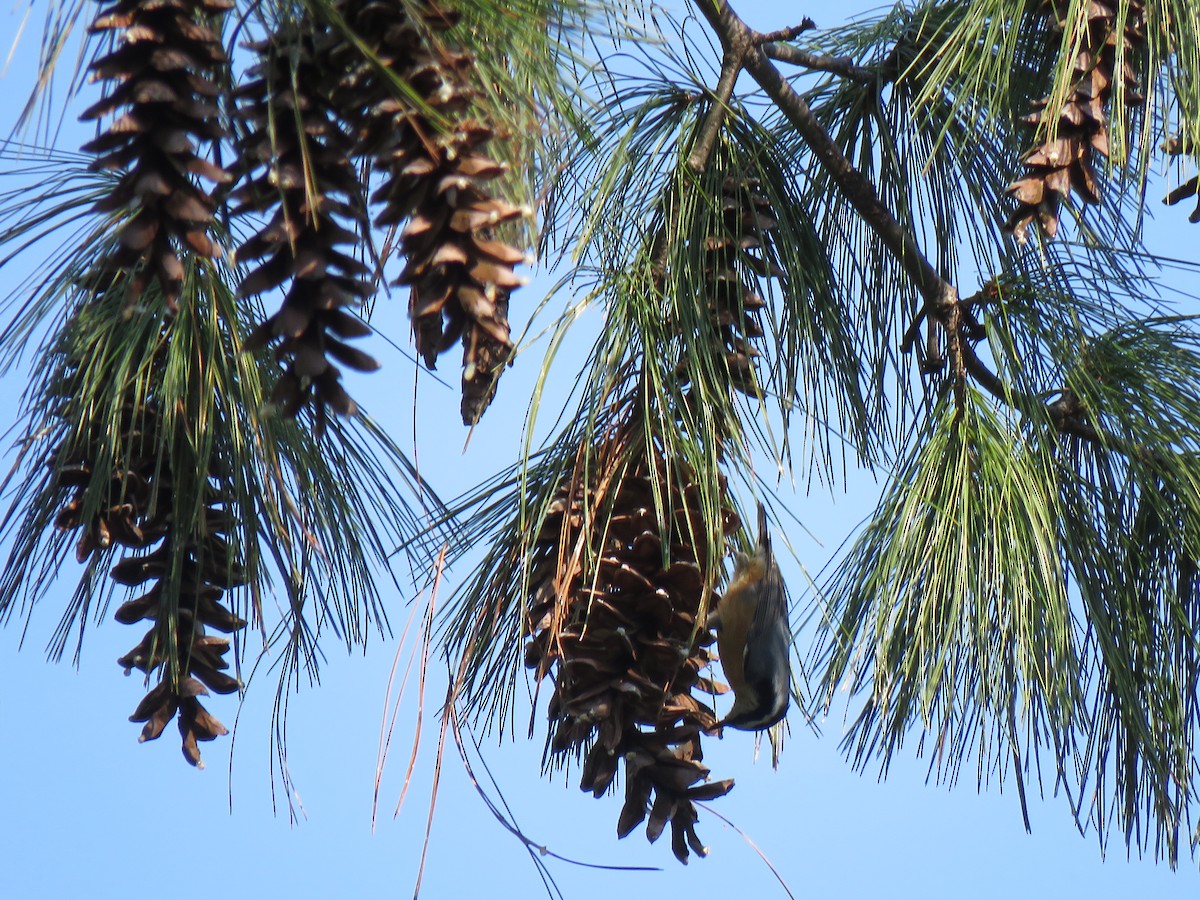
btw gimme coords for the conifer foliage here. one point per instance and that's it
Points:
(912, 242)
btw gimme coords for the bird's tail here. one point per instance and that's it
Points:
(764, 532)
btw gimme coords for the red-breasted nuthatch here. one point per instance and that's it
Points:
(753, 638)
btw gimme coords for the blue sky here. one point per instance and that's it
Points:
(87, 812)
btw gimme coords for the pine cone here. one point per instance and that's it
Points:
(310, 187)
(625, 648)
(136, 512)
(165, 71)
(437, 177)
(180, 621)
(737, 249)
(1062, 165)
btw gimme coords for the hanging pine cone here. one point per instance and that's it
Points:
(310, 189)
(165, 69)
(1062, 165)
(437, 177)
(1177, 147)
(738, 248)
(623, 645)
(736, 251)
(181, 612)
(135, 512)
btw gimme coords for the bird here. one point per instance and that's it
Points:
(754, 637)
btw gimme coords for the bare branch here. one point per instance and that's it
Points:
(786, 34)
(706, 137)
(836, 65)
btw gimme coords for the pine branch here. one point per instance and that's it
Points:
(941, 301)
(939, 295)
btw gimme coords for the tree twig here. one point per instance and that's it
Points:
(786, 34)
(835, 65)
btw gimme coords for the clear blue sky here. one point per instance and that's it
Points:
(87, 812)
